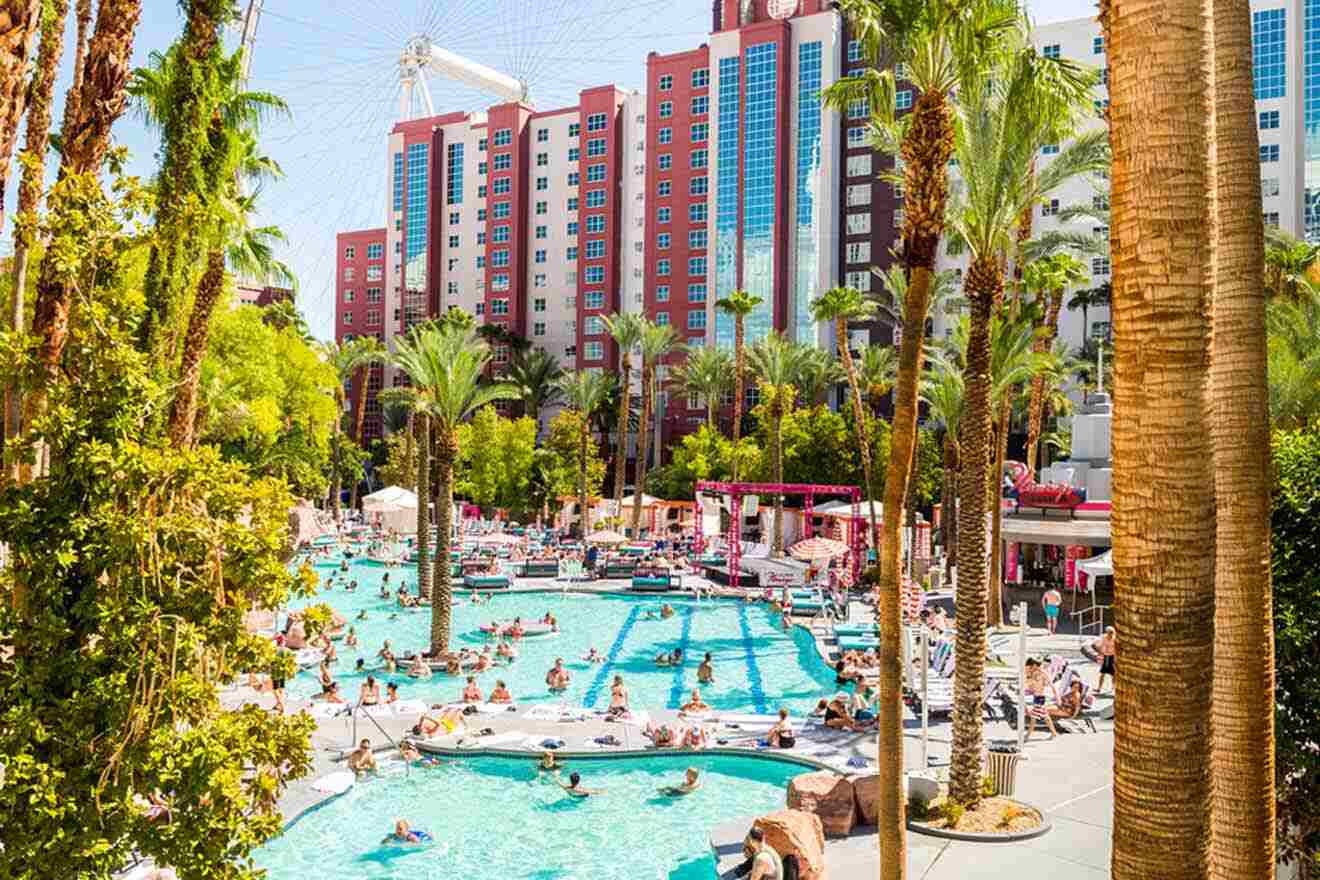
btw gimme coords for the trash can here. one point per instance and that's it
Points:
(1002, 760)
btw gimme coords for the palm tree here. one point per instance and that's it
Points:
(345, 358)
(446, 366)
(1049, 277)
(410, 358)
(658, 342)
(1087, 299)
(1242, 754)
(23, 21)
(626, 328)
(585, 391)
(535, 375)
(1289, 264)
(877, 373)
(32, 182)
(941, 44)
(777, 363)
(821, 372)
(942, 392)
(1163, 446)
(1006, 115)
(840, 306)
(739, 304)
(706, 373)
(91, 108)
(1294, 361)
(371, 351)
(282, 314)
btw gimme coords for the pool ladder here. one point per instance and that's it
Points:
(407, 765)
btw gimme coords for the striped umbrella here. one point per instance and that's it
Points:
(818, 548)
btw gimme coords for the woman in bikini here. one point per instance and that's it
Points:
(501, 694)
(472, 693)
(618, 699)
(369, 695)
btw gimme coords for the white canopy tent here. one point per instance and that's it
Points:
(1098, 566)
(395, 507)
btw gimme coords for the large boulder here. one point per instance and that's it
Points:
(795, 833)
(866, 792)
(829, 796)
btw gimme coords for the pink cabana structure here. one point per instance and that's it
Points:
(808, 491)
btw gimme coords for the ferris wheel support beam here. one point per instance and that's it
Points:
(422, 57)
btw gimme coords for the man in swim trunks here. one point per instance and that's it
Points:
(706, 671)
(361, 761)
(558, 677)
(1051, 602)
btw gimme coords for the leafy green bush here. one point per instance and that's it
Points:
(918, 809)
(1295, 561)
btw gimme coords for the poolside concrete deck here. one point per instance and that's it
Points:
(1070, 778)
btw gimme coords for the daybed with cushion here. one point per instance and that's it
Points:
(486, 582)
(541, 568)
(652, 581)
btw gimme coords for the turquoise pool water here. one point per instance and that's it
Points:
(493, 819)
(758, 667)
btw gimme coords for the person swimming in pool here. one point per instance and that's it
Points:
(706, 671)
(404, 834)
(691, 782)
(695, 705)
(666, 611)
(548, 763)
(472, 693)
(558, 677)
(674, 658)
(594, 656)
(574, 786)
(505, 650)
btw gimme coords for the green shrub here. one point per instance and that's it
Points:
(918, 809)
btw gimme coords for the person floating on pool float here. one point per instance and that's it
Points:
(706, 671)
(550, 619)
(361, 760)
(501, 693)
(574, 786)
(594, 656)
(405, 835)
(691, 782)
(472, 693)
(558, 677)
(694, 706)
(516, 630)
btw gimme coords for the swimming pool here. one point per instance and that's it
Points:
(492, 818)
(758, 667)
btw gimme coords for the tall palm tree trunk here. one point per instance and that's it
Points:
(1036, 407)
(995, 499)
(983, 285)
(643, 446)
(359, 423)
(99, 101)
(777, 467)
(409, 450)
(336, 442)
(584, 515)
(739, 367)
(621, 449)
(1242, 819)
(20, 22)
(184, 413)
(949, 498)
(442, 590)
(30, 187)
(423, 424)
(1162, 115)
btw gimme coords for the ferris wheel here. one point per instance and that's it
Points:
(350, 70)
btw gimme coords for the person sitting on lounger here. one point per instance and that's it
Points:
(448, 721)
(1068, 706)
(837, 716)
(694, 737)
(472, 693)
(691, 782)
(694, 706)
(419, 668)
(361, 761)
(501, 693)
(558, 677)
(863, 703)
(574, 786)
(781, 735)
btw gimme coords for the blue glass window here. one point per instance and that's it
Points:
(903, 99)
(807, 180)
(1269, 152)
(1268, 53)
(596, 250)
(1269, 119)
(760, 197)
(726, 193)
(454, 174)
(596, 198)
(398, 181)
(594, 275)
(596, 223)
(416, 228)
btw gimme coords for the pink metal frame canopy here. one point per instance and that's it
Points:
(809, 491)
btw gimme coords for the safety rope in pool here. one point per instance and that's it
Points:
(593, 692)
(676, 690)
(753, 671)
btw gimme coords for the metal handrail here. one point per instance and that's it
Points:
(407, 765)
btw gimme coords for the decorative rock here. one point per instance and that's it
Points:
(829, 796)
(866, 792)
(795, 833)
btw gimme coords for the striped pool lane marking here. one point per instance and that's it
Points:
(749, 654)
(593, 692)
(676, 689)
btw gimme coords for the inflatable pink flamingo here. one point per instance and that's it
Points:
(1029, 493)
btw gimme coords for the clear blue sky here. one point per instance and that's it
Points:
(333, 62)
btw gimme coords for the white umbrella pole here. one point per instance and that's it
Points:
(1022, 674)
(925, 698)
